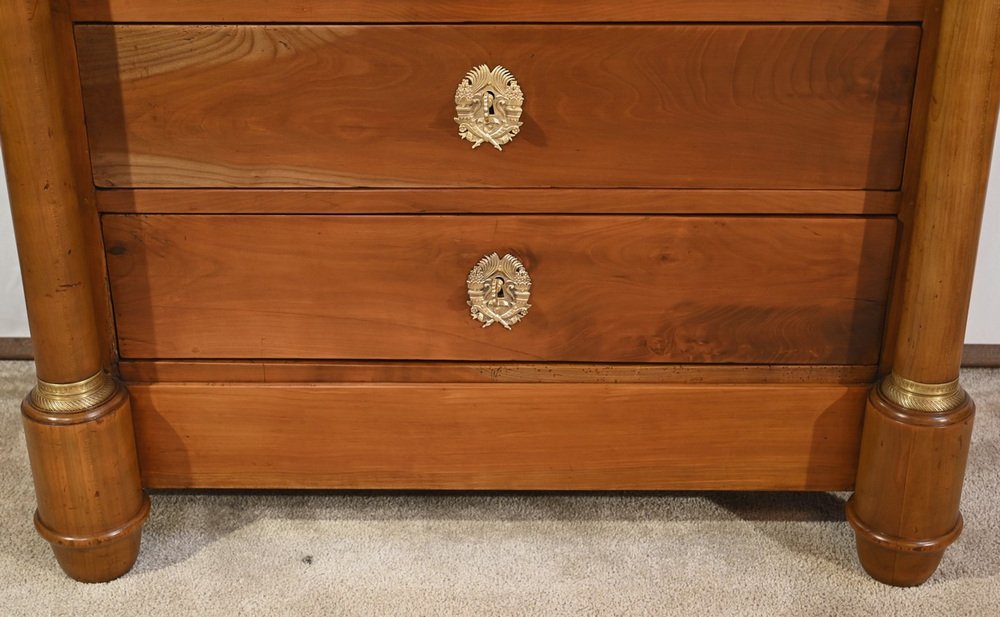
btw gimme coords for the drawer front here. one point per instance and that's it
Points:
(770, 290)
(658, 106)
(498, 436)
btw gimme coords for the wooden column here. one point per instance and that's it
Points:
(77, 420)
(905, 510)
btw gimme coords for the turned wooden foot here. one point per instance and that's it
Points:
(905, 508)
(90, 502)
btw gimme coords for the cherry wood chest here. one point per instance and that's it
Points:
(537, 245)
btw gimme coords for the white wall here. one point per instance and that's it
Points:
(13, 322)
(984, 318)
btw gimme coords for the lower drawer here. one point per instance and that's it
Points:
(669, 289)
(499, 436)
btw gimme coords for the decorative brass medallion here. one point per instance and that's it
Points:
(499, 291)
(488, 104)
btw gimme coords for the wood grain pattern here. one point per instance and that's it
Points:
(951, 194)
(905, 511)
(76, 138)
(494, 201)
(90, 502)
(50, 226)
(260, 372)
(501, 436)
(511, 11)
(929, 41)
(605, 288)
(679, 106)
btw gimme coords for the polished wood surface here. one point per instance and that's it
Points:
(929, 40)
(952, 193)
(511, 11)
(50, 228)
(90, 502)
(905, 506)
(794, 290)
(906, 509)
(498, 436)
(681, 106)
(709, 210)
(221, 371)
(76, 138)
(494, 201)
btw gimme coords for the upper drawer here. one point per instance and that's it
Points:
(660, 106)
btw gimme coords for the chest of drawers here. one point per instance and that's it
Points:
(537, 246)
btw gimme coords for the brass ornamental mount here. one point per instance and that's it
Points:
(488, 104)
(932, 398)
(73, 397)
(499, 289)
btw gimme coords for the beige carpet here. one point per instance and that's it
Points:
(499, 554)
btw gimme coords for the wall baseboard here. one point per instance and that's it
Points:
(16, 349)
(979, 356)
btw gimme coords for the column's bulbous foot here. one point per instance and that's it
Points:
(91, 506)
(897, 561)
(98, 558)
(905, 508)
(100, 564)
